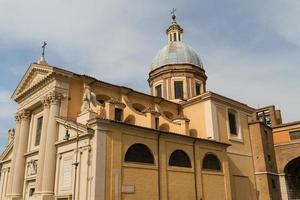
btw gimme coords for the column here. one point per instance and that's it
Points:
(42, 148)
(14, 154)
(19, 168)
(50, 149)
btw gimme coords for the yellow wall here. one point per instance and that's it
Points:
(75, 98)
(218, 189)
(196, 114)
(175, 182)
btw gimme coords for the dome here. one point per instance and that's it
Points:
(176, 53)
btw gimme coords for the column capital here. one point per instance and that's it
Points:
(24, 114)
(46, 102)
(18, 117)
(55, 98)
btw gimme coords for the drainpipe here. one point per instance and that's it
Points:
(158, 165)
(195, 172)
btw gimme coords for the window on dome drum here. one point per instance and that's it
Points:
(198, 89)
(174, 36)
(38, 132)
(232, 122)
(158, 91)
(294, 135)
(180, 159)
(178, 87)
(211, 162)
(118, 114)
(139, 153)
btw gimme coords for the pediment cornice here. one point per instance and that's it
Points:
(36, 77)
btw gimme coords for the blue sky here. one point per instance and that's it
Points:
(250, 49)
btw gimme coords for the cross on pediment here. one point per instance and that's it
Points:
(173, 11)
(44, 47)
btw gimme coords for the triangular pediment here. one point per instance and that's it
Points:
(34, 75)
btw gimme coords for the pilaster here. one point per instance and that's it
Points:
(42, 148)
(50, 149)
(19, 165)
(14, 154)
(283, 186)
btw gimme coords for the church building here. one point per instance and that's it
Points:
(77, 137)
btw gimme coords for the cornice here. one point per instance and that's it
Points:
(112, 124)
(50, 74)
(49, 78)
(6, 151)
(218, 98)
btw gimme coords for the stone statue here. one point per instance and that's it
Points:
(90, 102)
(11, 135)
(86, 98)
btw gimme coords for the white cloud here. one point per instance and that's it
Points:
(280, 16)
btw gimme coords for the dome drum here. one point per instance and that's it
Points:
(177, 72)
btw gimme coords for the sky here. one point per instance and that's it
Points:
(250, 49)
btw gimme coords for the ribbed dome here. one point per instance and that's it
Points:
(176, 53)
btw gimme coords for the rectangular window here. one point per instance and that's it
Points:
(198, 89)
(118, 114)
(295, 135)
(158, 91)
(232, 123)
(175, 38)
(38, 132)
(178, 86)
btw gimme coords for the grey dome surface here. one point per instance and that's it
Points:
(176, 53)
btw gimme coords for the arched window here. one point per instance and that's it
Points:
(179, 159)
(211, 162)
(139, 153)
